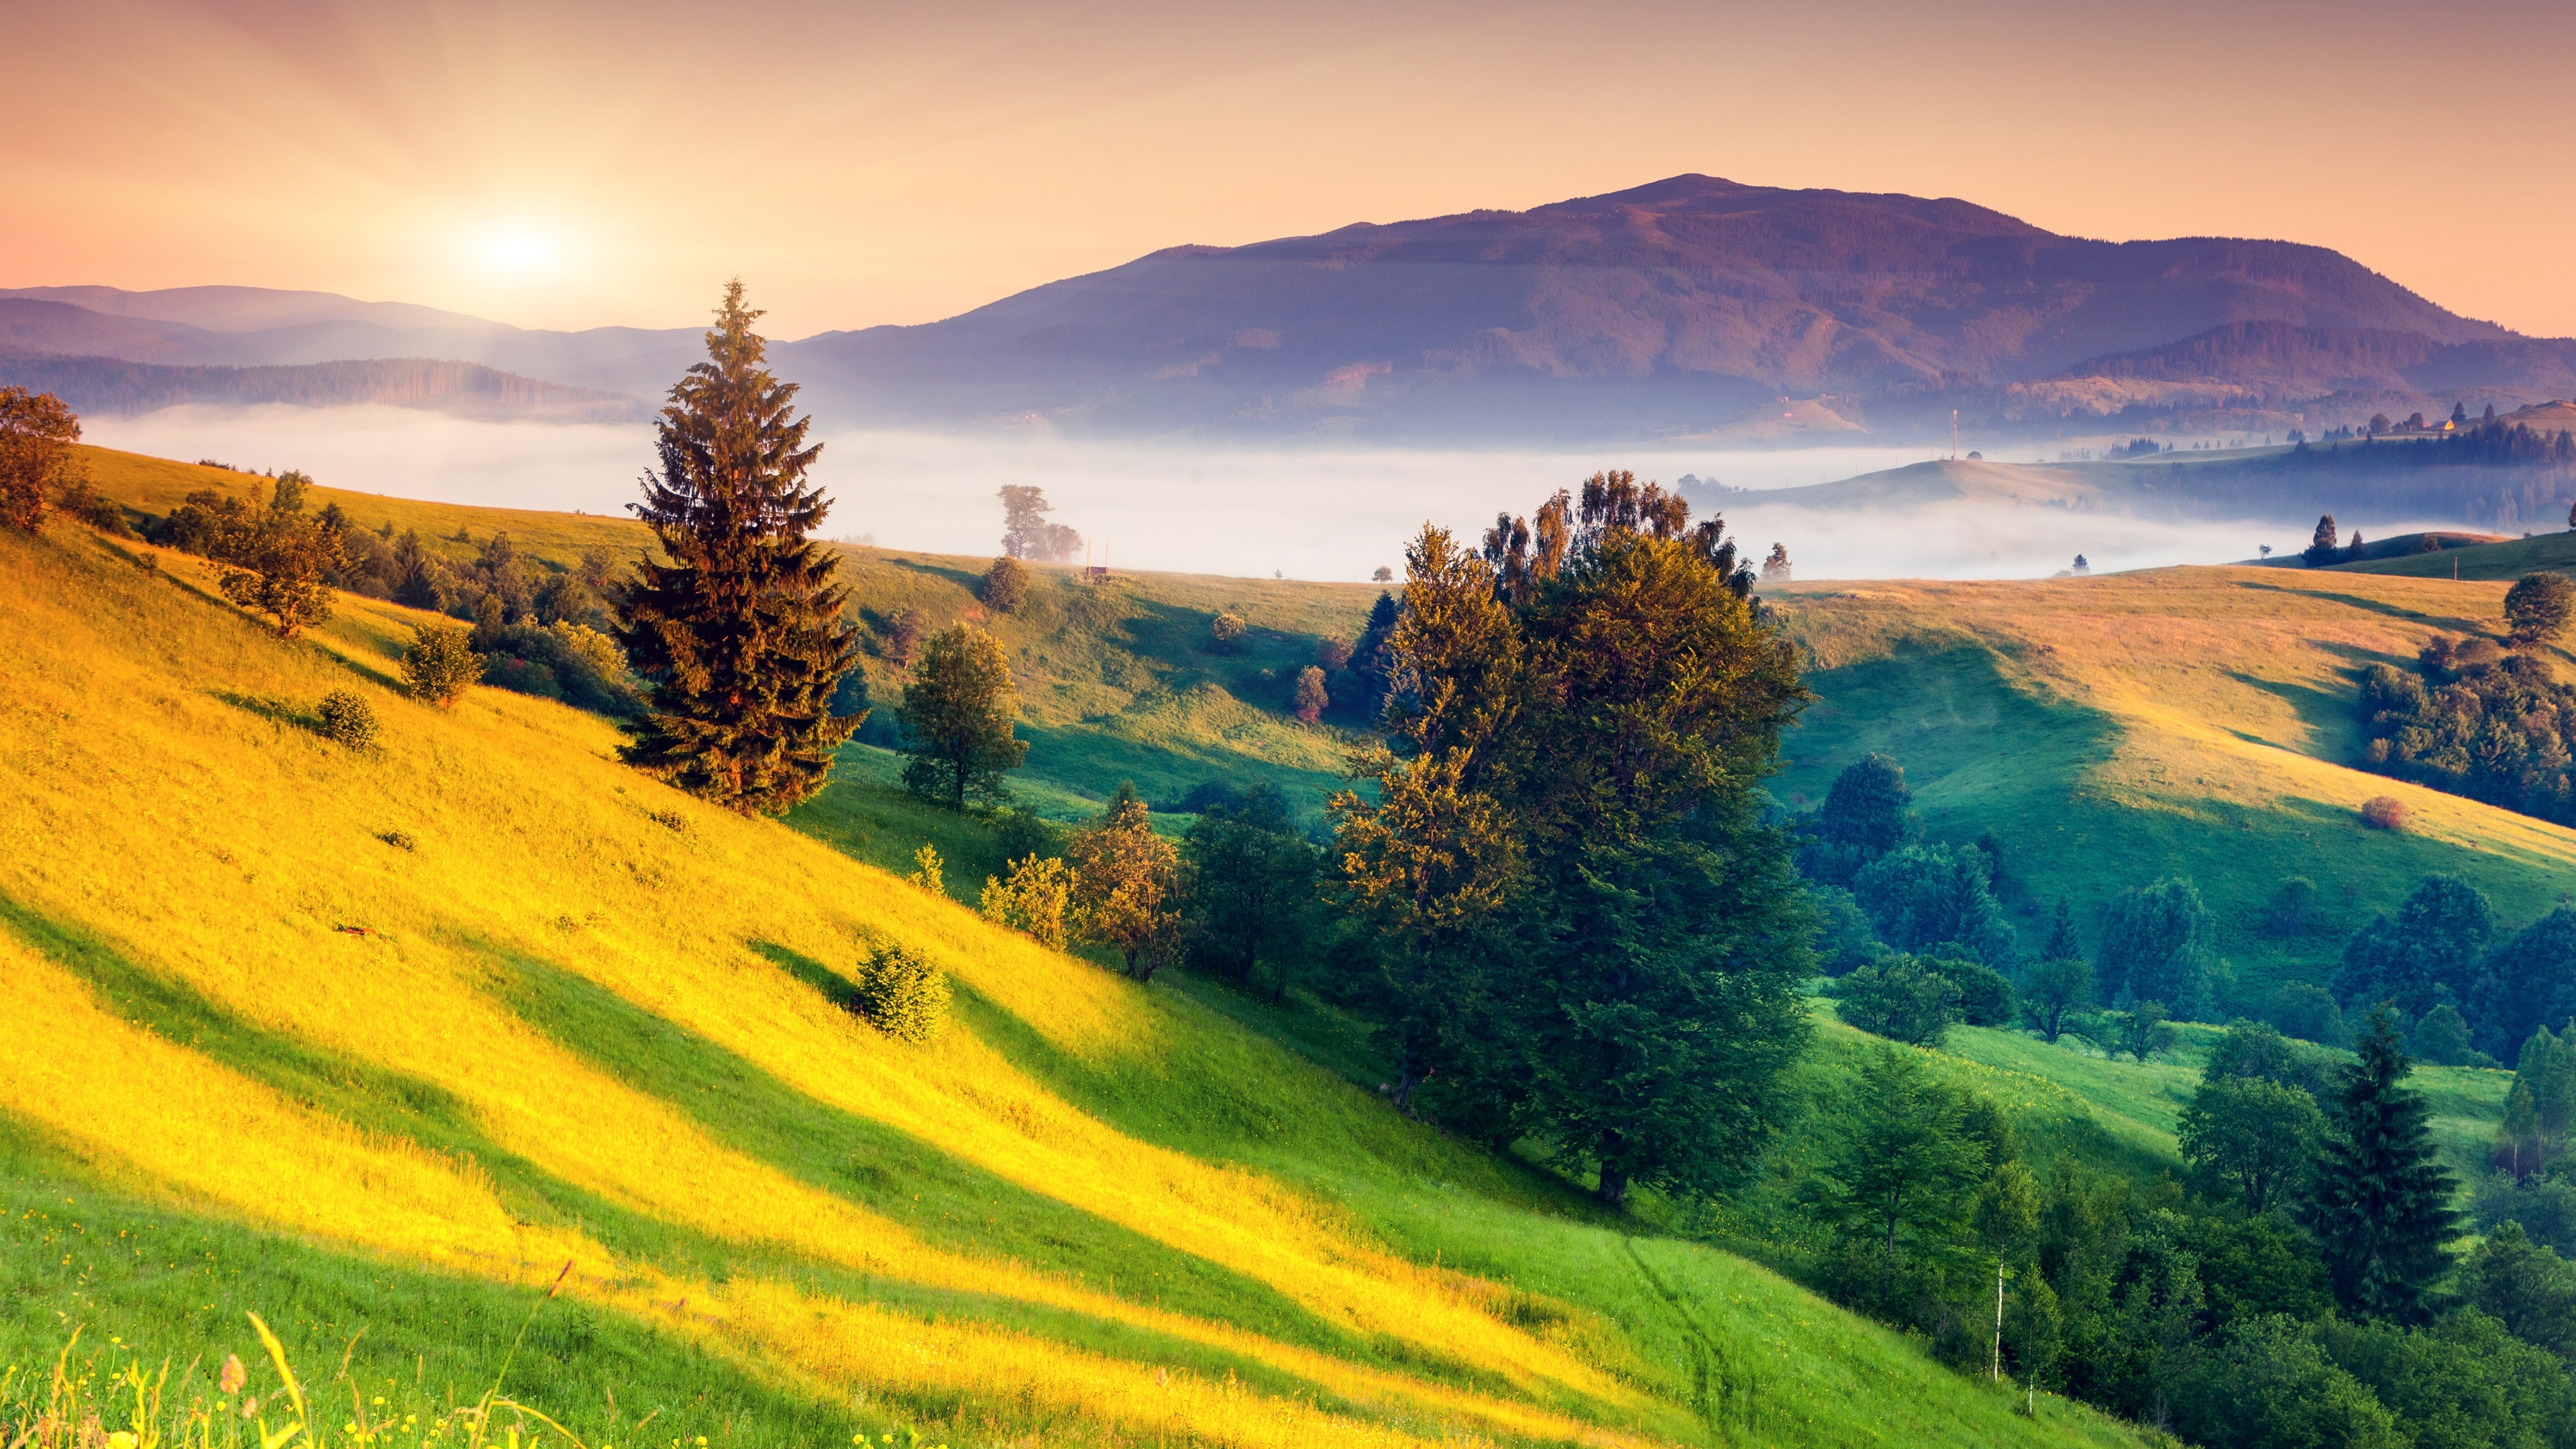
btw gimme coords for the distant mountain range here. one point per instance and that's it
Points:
(1692, 308)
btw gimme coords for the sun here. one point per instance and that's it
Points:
(516, 251)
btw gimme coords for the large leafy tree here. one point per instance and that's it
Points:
(740, 635)
(2155, 947)
(36, 459)
(278, 562)
(957, 714)
(1614, 727)
(2381, 1203)
(2433, 950)
(1906, 1168)
(1252, 886)
(1126, 887)
(2250, 1139)
(1868, 812)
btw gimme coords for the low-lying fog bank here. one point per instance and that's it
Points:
(1319, 514)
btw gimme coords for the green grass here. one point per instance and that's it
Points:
(595, 1021)
(2180, 722)
(2509, 560)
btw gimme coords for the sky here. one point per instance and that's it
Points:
(586, 164)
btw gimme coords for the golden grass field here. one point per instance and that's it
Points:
(446, 1017)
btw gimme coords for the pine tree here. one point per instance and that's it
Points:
(2380, 1207)
(2321, 549)
(957, 719)
(740, 636)
(2062, 943)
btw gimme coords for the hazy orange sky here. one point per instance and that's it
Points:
(580, 164)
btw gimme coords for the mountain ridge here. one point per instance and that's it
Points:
(1690, 307)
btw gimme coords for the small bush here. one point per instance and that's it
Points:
(1900, 998)
(1032, 900)
(1006, 585)
(399, 840)
(902, 995)
(1985, 994)
(348, 720)
(929, 871)
(441, 664)
(2383, 812)
(1333, 653)
(2308, 1012)
(1224, 631)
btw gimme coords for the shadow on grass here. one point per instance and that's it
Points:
(285, 714)
(944, 1200)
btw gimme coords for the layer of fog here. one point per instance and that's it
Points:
(1323, 514)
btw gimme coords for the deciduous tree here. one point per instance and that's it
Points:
(2537, 609)
(1126, 887)
(957, 715)
(2251, 1139)
(36, 458)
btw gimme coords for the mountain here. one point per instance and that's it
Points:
(1674, 308)
(110, 385)
(247, 327)
(1693, 308)
(247, 309)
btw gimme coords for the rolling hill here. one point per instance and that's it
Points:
(407, 1047)
(2193, 722)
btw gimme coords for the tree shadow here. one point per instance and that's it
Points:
(285, 714)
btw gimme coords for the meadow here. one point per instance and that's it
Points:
(412, 1049)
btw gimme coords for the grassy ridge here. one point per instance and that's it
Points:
(1116, 681)
(2188, 722)
(589, 1022)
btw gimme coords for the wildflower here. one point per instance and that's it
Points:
(233, 1377)
(249, 1407)
(121, 1439)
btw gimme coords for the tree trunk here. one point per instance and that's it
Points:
(1613, 1191)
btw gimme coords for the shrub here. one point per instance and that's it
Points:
(348, 720)
(902, 995)
(1901, 998)
(1311, 698)
(1985, 994)
(1006, 585)
(2383, 812)
(2442, 1038)
(441, 664)
(929, 871)
(1032, 900)
(2308, 1012)
(1225, 630)
(1333, 653)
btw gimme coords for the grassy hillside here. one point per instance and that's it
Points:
(382, 1045)
(2190, 722)
(2508, 560)
(1116, 681)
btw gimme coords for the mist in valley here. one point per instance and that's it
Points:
(1322, 513)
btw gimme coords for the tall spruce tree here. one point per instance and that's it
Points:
(2381, 1203)
(740, 635)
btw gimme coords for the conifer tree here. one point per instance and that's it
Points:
(2062, 942)
(740, 635)
(2381, 1205)
(2321, 549)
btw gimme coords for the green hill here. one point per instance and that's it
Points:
(406, 1048)
(2176, 722)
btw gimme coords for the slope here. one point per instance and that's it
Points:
(1118, 682)
(2180, 722)
(382, 1042)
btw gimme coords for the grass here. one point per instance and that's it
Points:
(591, 1023)
(2177, 722)
(2485, 562)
